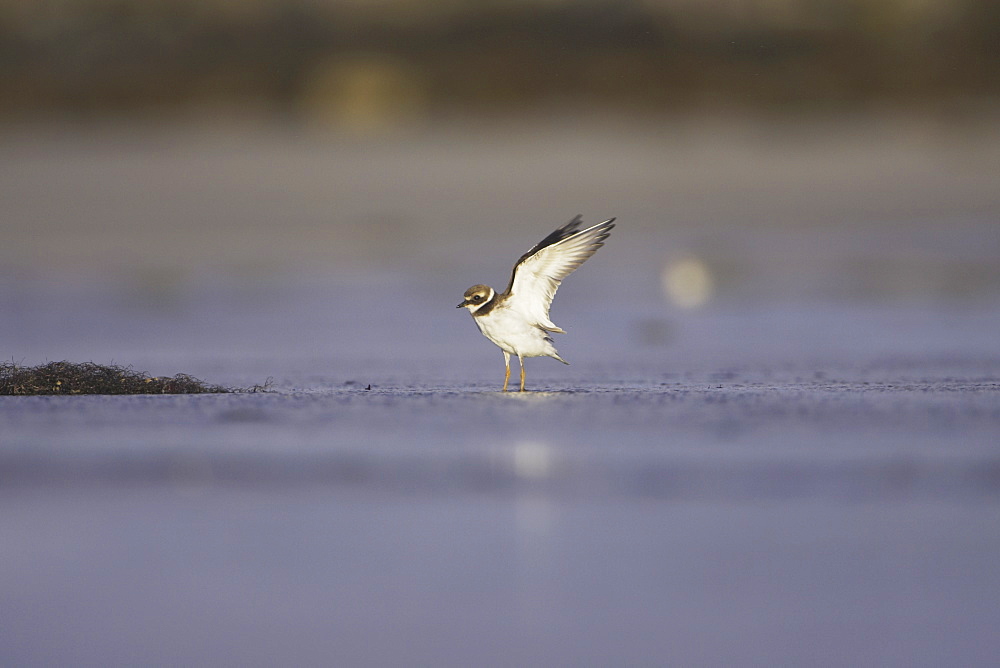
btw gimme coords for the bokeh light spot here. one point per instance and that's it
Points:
(687, 282)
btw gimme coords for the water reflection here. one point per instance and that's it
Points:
(537, 563)
(532, 459)
(531, 395)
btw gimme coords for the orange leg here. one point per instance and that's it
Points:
(506, 359)
(522, 372)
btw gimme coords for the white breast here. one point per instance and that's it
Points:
(513, 333)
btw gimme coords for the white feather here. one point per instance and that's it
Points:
(537, 277)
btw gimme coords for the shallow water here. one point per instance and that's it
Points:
(821, 515)
(801, 468)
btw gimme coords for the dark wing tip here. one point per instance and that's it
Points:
(566, 231)
(605, 231)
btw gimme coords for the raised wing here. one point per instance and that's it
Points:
(538, 273)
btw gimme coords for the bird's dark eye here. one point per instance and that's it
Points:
(477, 298)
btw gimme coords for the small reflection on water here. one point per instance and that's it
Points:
(531, 395)
(532, 459)
(537, 566)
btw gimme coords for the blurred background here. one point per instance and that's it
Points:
(368, 63)
(215, 161)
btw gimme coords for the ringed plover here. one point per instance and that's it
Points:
(517, 320)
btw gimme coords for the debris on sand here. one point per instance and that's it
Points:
(89, 378)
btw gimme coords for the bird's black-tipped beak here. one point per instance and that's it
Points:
(462, 304)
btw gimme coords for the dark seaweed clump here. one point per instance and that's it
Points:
(90, 378)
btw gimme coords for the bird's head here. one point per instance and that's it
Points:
(476, 296)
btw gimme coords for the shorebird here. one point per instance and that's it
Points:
(517, 320)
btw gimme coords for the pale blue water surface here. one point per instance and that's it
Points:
(789, 454)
